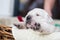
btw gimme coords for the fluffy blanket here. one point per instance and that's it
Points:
(28, 34)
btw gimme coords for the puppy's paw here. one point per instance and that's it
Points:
(20, 25)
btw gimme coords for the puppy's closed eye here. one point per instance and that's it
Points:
(37, 15)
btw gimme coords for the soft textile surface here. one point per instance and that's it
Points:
(23, 34)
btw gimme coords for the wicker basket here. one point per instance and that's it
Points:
(6, 33)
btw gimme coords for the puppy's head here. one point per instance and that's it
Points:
(37, 19)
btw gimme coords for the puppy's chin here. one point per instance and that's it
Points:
(45, 33)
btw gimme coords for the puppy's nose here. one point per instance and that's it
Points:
(37, 26)
(28, 17)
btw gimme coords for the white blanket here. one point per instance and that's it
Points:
(24, 34)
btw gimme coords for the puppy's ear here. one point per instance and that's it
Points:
(50, 20)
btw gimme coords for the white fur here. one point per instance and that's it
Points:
(43, 19)
(41, 12)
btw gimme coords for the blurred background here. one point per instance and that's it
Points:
(13, 8)
(6, 8)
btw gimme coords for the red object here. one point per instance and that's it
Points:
(20, 18)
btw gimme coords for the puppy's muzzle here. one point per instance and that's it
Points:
(35, 26)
